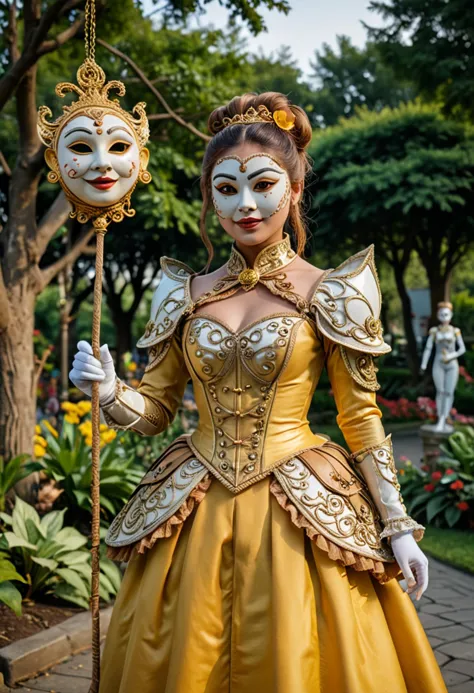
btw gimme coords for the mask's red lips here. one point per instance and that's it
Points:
(249, 222)
(102, 182)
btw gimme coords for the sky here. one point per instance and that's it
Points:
(309, 25)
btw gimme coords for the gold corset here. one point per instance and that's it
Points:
(253, 392)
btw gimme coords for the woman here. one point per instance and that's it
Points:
(261, 555)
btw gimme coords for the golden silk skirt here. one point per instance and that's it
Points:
(239, 600)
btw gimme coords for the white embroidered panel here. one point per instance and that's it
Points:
(153, 504)
(332, 515)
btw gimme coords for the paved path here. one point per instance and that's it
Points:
(446, 611)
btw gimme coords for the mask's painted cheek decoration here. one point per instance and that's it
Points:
(257, 186)
(99, 160)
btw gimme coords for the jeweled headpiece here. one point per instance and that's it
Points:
(284, 119)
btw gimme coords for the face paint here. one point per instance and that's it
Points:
(257, 186)
(445, 315)
(99, 161)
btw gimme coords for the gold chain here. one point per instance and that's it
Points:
(89, 30)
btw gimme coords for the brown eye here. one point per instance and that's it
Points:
(227, 189)
(264, 185)
(120, 147)
(80, 148)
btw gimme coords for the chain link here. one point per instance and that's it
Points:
(89, 30)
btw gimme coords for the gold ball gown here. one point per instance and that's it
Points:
(258, 559)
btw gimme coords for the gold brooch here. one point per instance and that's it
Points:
(248, 278)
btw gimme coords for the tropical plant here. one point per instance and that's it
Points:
(66, 459)
(9, 594)
(10, 473)
(52, 558)
(459, 450)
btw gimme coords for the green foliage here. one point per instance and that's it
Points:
(463, 304)
(459, 450)
(349, 77)
(147, 450)
(452, 546)
(67, 460)
(52, 558)
(432, 42)
(9, 594)
(10, 474)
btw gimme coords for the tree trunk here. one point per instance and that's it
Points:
(440, 285)
(412, 347)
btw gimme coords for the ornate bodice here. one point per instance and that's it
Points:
(253, 389)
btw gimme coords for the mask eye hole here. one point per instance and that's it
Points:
(119, 147)
(226, 189)
(264, 185)
(80, 148)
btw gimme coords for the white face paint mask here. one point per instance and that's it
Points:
(99, 163)
(445, 314)
(257, 186)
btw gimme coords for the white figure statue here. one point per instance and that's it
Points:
(449, 346)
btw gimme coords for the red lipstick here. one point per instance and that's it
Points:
(249, 222)
(102, 182)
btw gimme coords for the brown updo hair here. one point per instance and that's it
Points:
(289, 147)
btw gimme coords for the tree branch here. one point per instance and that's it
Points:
(4, 165)
(54, 218)
(172, 114)
(12, 33)
(60, 39)
(48, 273)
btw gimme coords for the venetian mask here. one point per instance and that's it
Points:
(258, 185)
(445, 314)
(96, 149)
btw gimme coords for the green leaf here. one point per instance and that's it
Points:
(13, 541)
(8, 572)
(7, 519)
(452, 515)
(52, 522)
(72, 578)
(46, 563)
(75, 557)
(11, 596)
(21, 512)
(112, 572)
(64, 591)
(436, 505)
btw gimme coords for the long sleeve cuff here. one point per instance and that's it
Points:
(378, 468)
(128, 411)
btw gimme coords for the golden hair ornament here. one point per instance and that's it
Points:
(284, 119)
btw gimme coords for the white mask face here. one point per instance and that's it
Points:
(99, 164)
(257, 186)
(445, 315)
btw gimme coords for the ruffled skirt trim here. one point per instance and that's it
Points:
(125, 553)
(382, 571)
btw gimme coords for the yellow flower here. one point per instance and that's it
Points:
(408, 464)
(72, 418)
(38, 429)
(39, 450)
(103, 427)
(84, 407)
(50, 428)
(86, 428)
(401, 472)
(39, 440)
(108, 436)
(132, 366)
(69, 407)
(88, 440)
(284, 120)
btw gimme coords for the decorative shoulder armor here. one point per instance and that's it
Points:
(347, 303)
(171, 301)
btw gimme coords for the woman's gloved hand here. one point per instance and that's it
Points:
(86, 369)
(412, 561)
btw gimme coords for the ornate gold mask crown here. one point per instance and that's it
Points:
(445, 304)
(284, 119)
(94, 102)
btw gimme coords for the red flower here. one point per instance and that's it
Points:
(462, 506)
(36, 333)
(449, 471)
(425, 468)
(456, 485)
(436, 476)
(429, 487)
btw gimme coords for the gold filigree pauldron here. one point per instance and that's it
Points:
(378, 467)
(347, 302)
(361, 367)
(238, 374)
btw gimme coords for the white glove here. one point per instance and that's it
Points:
(412, 561)
(86, 369)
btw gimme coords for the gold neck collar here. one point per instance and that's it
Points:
(270, 259)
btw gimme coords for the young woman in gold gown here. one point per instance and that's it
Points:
(262, 557)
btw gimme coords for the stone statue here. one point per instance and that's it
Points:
(449, 346)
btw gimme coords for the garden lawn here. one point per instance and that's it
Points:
(452, 546)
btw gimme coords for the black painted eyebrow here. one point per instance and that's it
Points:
(224, 175)
(262, 170)
(89, 132)
(117, 127)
